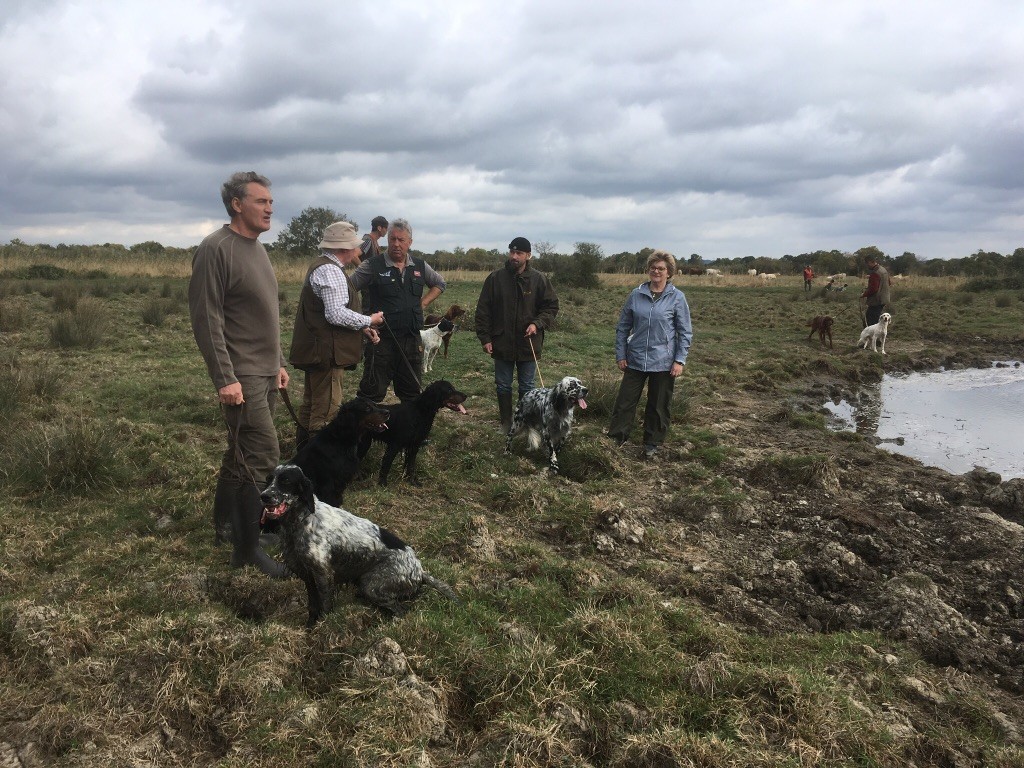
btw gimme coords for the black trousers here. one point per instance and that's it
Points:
(873, 313)
(395, 360)
(657, 413)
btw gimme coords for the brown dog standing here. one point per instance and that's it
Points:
(823, 325)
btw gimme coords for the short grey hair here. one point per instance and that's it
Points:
(235, 187)
(665, 256)
(402, 224)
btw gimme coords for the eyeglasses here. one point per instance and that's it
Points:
(658, 269)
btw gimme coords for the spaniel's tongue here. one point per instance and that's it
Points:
(273, 513)
(582, 402)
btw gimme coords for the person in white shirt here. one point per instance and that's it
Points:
(329, 329)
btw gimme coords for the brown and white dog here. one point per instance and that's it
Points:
(822, 324)
(454, 313)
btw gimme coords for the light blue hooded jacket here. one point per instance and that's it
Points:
(651, 335)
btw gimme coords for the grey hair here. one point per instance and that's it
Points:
(235, 187)
(665, 256)
(402, 224)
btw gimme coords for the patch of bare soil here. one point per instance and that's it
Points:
(855, 538)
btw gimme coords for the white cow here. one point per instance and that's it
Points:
(752, 272)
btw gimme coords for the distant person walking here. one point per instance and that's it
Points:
(652, 341)
(516, 305)
(329, 329)
(400, 286)
(808, 277)
(876, 295)
(370, 245)
(233, 305)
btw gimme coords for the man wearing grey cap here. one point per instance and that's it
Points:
(329, 329)
(515, 307)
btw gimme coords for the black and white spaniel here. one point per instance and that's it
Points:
(325, 546)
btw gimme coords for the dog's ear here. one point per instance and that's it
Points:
(305, 490)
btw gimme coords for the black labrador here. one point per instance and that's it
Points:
(409, 426)
(330, 459)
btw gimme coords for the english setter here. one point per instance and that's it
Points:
(875, 333)
(547, 414)
(432, 339)
(325, 545)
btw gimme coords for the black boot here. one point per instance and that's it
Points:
(505, 410)
(247, 549)
(224, 500)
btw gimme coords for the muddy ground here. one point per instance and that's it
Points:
(862, 539)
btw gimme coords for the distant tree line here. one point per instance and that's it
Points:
(581, 267)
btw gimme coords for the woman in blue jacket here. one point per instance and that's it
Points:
(652, 340)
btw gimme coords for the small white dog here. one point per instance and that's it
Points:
(432, 339)
(875, 333)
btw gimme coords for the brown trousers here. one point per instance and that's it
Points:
(321, 398)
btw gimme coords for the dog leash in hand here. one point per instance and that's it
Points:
(402, 353)
(535, 363)
(288, 404)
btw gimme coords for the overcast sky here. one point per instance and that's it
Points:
(726, 129)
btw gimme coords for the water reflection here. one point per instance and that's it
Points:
(955, 420)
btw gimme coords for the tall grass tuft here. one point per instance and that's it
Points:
(82, 328)
(66, 296)
(155, 312)
(13, 315)
(10, 385)
(44, 380)
(71, 455)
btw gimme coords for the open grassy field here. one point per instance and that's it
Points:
(748, 600)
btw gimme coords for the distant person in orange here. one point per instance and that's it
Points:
(808, 277)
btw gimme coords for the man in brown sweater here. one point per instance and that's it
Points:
(232, 299)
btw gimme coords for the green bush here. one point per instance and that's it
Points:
(44, 272)
(979, 284)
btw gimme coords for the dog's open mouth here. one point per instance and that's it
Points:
(455, 404)
(273, 512)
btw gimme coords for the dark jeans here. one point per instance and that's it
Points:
(873, 313)
(398, 361)
(526, 370)
(657, 412)
(253, 450)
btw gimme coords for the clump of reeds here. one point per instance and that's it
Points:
(84, 327)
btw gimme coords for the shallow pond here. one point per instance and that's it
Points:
(954, 420)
